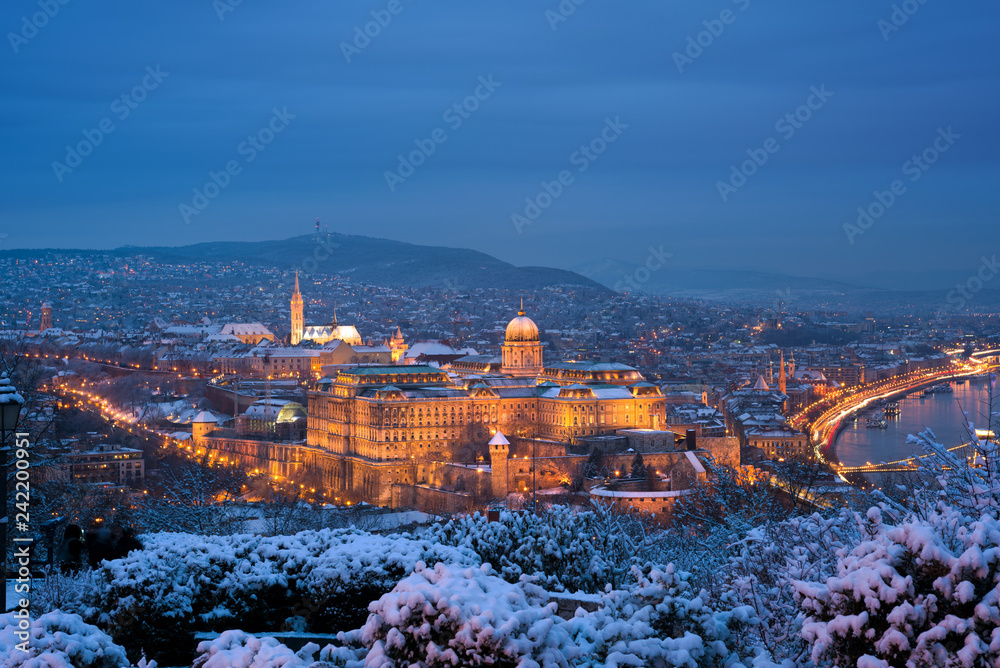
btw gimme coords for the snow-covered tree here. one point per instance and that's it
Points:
(236, 649)
(661, 621)
(714, 516)
(922, 593)
(638, 467)
(967, 478)
(57, 640)
(315, 580)
(763, 567)
(195, 497)
(562, 549)
(453, 616)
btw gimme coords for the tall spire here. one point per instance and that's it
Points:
(298, 321)
(782, 379)
(334, 316)
(521, 311)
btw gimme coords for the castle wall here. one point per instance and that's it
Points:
(430, 500)
(725, 449)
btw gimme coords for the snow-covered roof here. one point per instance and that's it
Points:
(499, 439)
(203, 417)
(245, 329)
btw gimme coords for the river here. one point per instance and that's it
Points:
(857, 445)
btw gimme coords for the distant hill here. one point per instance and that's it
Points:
(709, 282)
(874, 290)
(378, 261)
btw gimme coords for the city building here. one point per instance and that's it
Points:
(247, 332)
(780, 443)
(46, 322)
(107, 463)
(270, 418)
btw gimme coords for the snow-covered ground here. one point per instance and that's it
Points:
(11, 595)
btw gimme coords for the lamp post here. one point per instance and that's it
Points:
(534, 475)
(10, 409)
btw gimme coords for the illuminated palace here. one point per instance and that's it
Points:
(437, 438)
(386, 424)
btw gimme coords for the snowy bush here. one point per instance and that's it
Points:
(57, 640)
(924, 593)
(314, 580)
(661, 622)
(975, 489)
(454, 616)
(764, 565)
(68, 592)
(236, 649)
(559, 547)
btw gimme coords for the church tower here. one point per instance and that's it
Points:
(46, 317)
(499, 451)
(522, 349)
(297, 316)
(398, 346)
(782, 379)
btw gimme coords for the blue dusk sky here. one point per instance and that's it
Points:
(622, 122)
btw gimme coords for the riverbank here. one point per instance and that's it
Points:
(853, 444)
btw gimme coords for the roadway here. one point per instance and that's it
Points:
(843, 403)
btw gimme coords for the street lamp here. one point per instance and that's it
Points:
(10, 409)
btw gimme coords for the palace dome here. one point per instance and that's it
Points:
(521, 328)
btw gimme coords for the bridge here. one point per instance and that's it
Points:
(908, 465)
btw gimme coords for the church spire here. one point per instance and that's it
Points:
(782, 379)
(335, 316)
(521, 311)
(298, 321)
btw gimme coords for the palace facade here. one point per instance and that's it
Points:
(417, 435)
(386, 423)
